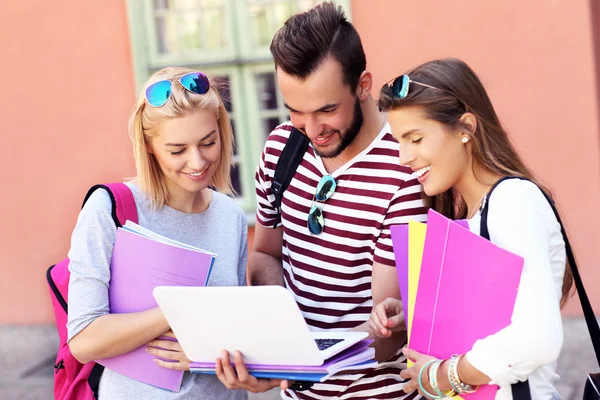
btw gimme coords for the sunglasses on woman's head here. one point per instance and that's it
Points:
(159, 92)
(325, 189)
(401, 84)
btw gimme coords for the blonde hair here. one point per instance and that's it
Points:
(145, 119)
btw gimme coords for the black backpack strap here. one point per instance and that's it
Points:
(94, 378)
(112, 201)
(291, 156)
(521, 390)
(483, 229)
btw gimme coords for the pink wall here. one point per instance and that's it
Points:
(68, 130)
(67, 90)
(537, 61)
(595, 19)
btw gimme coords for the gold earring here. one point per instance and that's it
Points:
(465, 140)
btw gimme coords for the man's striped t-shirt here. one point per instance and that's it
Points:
(330, 274)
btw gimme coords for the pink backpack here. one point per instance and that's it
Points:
(73, 380)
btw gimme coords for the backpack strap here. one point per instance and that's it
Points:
(123, 203)
(521, 390)
(289, 160)
(94, 378)
(123, 209)
(483, 229)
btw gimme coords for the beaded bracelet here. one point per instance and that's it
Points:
(433, 381)
(420, 380)
(458, 386)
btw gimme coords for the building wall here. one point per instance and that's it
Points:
(595, 19)
(68, 90)
(537, 62)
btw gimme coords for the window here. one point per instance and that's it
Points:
(227, 39)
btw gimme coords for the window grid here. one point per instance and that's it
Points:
(242, 55)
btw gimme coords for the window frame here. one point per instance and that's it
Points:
(241, 62)
(254, 119)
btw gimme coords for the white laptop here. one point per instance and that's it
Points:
(263, 322)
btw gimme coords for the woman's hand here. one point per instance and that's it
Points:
(240, 378)
(169, 350)
(387, 317)
(413, 373)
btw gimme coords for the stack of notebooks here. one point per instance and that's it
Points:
(447, 275)
(141, 261)
(357, 357)
(150, 270)
(265, 324)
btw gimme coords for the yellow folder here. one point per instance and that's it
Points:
(416, 243)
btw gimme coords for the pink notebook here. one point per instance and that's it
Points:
(400, 245)
(138, 265)
(467, 291)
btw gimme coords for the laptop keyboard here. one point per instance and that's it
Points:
(326, 343)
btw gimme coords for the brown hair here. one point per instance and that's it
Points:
(145, 119)
(306, 39)
(461, 91)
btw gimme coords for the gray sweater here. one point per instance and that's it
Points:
(221, 229)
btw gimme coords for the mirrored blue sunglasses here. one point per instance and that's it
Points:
(159, 92)
(316, 220)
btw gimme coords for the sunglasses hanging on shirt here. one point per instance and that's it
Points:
(316, 220)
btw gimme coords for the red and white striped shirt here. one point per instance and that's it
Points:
(330, 274)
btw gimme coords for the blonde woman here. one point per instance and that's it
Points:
(182, 142)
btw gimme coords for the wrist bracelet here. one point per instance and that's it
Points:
(301, 385)
(433, 381)
(458, 386)
(420, 380)
(451, 363)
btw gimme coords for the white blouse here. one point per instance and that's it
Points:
(521, 221)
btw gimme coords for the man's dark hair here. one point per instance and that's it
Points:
(306, 39)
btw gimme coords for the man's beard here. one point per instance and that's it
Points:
(348, 136)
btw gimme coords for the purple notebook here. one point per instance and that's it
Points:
(400, 245)
(325, 367)
(462, 275)
(138, 265)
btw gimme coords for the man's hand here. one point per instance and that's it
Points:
(387, 317)
(264, 264)
(170, 350)
(239, 378)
